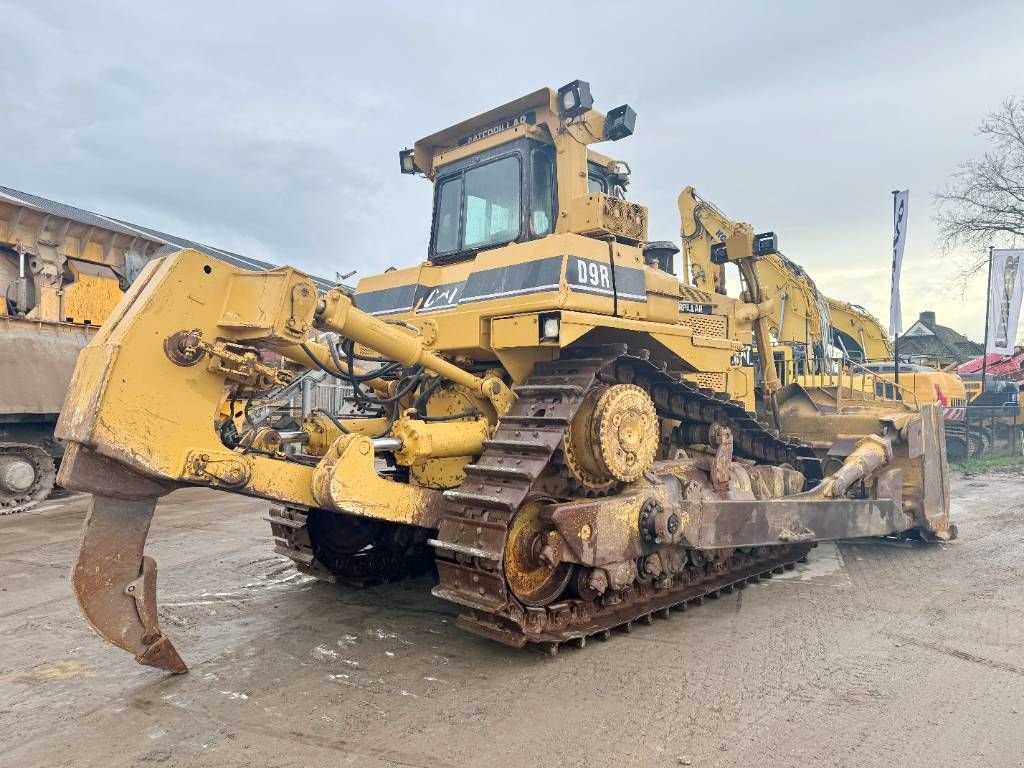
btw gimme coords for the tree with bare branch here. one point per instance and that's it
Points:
(983, 204)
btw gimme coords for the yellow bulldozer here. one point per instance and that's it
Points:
(541, 409)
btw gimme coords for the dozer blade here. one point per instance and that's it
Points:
(116, 584)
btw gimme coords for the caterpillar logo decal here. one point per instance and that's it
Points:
(527, 118)
(694, 309)
(538, 276)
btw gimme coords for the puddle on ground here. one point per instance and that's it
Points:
(824, 566)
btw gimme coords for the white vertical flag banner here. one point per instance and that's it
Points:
(900, 206)
(1005, 291)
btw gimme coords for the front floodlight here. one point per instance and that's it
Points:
(574, 99)
(619, 123)
(407, 158)
(549, 328)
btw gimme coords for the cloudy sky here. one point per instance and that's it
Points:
(272, 129)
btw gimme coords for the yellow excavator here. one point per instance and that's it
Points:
(814, 333)
(803, 315)
(541, 409)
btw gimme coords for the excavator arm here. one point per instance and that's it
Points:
(857, 332)
(795, 310)
(702, 226)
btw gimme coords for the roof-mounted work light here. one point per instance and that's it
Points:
(574, 98)
(407, 159)
(619, 123)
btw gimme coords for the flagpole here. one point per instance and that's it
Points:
(988, 312)
(896, 336)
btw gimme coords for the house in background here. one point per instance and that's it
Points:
(929, 343)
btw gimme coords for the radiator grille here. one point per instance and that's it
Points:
(693, 296)
(706, 325)
(715, 381)
(624, 218)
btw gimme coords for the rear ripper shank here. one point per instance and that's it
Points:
(573, 448)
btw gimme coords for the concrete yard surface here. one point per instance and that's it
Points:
(873, 654)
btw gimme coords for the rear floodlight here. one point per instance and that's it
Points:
(619, 123)
(408, 160)
(574, 99)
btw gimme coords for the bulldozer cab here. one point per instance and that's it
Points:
(519, 173)
(502, 195)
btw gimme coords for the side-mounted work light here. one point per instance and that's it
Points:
(764, 244)
(574, 98)
(549, 327)
(407, 158)
(619, 123)
(718, 254)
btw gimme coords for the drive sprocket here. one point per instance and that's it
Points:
(613, 437)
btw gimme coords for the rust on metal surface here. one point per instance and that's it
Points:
(113, 580)
(183, 347)
(115, 584)
(626, 582)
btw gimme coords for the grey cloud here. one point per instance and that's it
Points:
(272, 129)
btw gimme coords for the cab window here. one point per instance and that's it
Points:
(542, 193)
(449, 201)
(492, 207)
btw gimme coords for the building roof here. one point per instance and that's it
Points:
(926, 338)
(168, 243)
(1007, 366)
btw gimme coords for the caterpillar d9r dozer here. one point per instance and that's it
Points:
(541, 409)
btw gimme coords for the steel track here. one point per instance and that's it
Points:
(474, 528)
(46, 477)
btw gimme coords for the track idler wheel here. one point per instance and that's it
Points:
(531, 576)
(27, 476)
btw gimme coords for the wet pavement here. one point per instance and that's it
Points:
(873, 654)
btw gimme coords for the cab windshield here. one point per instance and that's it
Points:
(479, 207)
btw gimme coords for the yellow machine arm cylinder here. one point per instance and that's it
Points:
(425, 440)
(740, 252)
(338, 314)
